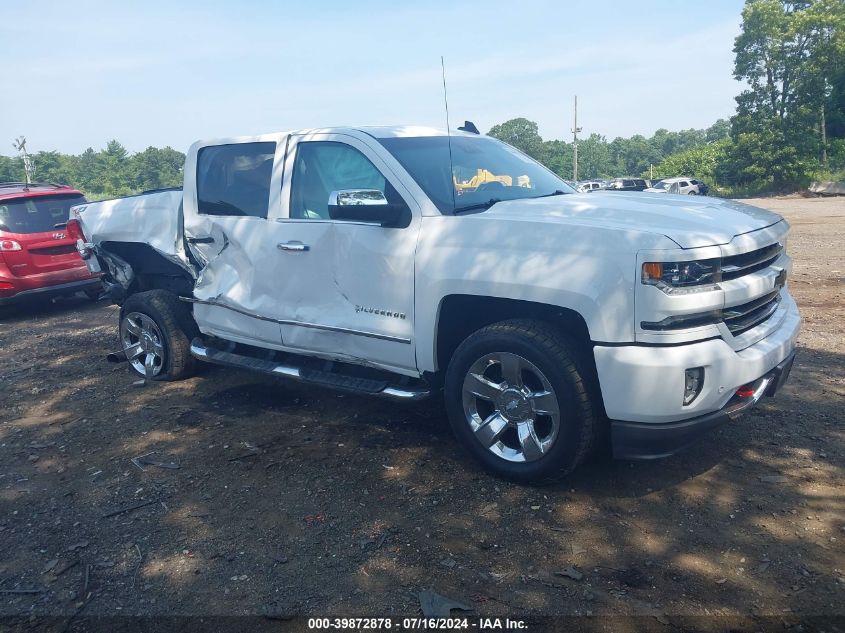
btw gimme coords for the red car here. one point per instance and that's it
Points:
(37, 256)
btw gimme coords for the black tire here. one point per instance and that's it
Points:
(177, 326)
(567, 372)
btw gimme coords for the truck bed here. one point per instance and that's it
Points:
(151, 218)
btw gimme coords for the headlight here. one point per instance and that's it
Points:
(683, 277)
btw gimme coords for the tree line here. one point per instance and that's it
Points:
(600, 158)
(107, 173)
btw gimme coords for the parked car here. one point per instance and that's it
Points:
(681, 185)
(37, 257)
(343, 258)
(590, 185)
(627, 184)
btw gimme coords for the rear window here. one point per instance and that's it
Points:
(235, 179)
(37, 215)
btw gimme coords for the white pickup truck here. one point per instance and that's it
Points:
(404, 262)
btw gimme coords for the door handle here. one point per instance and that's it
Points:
(297, 247)
(201, 240)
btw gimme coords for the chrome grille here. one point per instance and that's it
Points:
(742, 318)
(735, 266)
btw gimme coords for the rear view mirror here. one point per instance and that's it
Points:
(367, 205)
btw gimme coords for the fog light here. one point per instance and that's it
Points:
(693, 382)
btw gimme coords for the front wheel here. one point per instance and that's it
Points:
(518, 400)
(155, 332)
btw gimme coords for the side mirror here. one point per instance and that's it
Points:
(367, 205)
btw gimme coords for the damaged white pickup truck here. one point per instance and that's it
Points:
(403, 262)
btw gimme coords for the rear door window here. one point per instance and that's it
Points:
(39, 214)
(235, 179)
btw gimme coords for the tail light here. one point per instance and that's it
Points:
(74, 230)
(9, 245)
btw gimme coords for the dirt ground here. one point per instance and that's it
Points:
(273, 499)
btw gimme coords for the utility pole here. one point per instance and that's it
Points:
(20, 145)
(575, 130)
(823, 127)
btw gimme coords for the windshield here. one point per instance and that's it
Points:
(483, 170)
(38, 214)
(662, 185)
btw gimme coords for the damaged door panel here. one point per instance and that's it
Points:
(233, 190)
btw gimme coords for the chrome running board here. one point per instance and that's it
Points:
(344, 382)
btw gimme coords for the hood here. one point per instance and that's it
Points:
(689, 221)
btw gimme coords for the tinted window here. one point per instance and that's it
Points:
(476, 170)
(323, 167)
(235, 179)
(627, 183)
(36, 215)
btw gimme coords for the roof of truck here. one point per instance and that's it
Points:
(387, 131)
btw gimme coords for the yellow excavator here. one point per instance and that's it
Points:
(482, 176)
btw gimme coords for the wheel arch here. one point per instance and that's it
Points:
(460, 315)
(136, 267)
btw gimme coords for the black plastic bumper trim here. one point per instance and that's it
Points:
(49, 291)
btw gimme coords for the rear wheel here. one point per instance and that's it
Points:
(155, 332)
(518, 401)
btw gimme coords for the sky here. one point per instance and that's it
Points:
(78, 74)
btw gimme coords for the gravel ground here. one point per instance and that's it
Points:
(273, 499)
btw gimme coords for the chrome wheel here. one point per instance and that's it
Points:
(511, 407)
(143, 343)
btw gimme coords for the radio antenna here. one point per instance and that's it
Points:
(448, 135)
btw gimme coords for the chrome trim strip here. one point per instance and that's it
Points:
(758, 259)
(315, 326)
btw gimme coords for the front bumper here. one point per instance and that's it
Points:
(642, 440)
(642, 386)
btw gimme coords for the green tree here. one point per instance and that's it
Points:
(594, 159)
(522, 134)
(156, 168)
(706, 162)
(790, 54)
(557, 156)
(112, 167)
